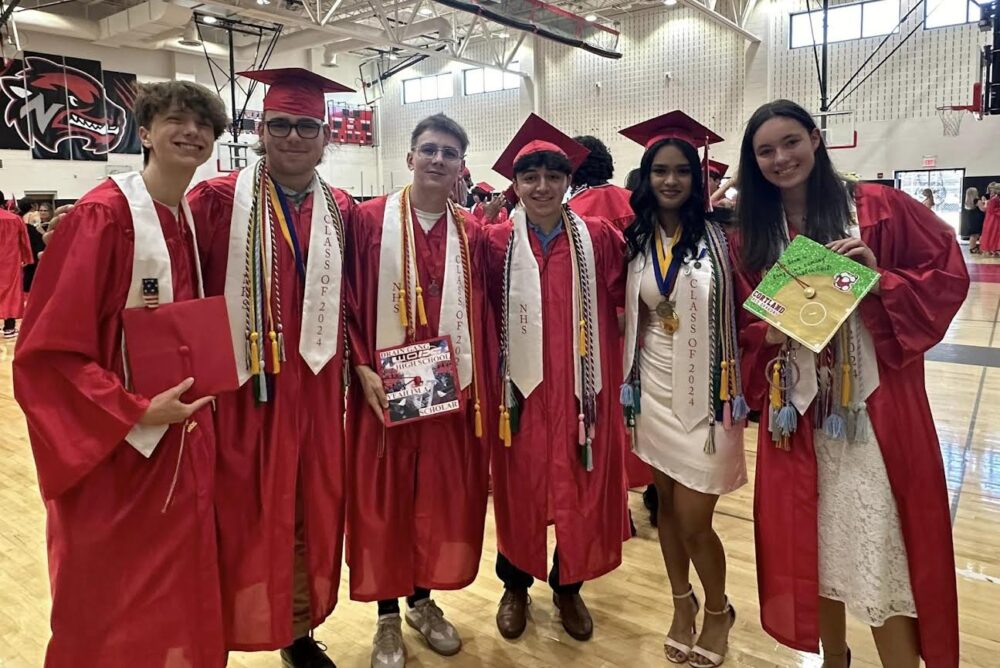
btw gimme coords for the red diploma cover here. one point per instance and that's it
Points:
(186, 339)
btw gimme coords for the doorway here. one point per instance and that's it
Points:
(946, 184)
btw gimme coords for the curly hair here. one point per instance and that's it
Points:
(153, 99)
(599, 166)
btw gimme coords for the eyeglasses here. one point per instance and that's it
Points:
(281, 128)
(429, 151)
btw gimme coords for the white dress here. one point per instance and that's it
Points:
(862, 557)
(661, 440)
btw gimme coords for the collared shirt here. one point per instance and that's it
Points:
(546, 239)
(296, 198)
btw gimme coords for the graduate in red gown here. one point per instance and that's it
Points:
(592, 195)
(989, 240)
(280, 480)
(556, 282)
(127, 479)
(417, 491)
(15, 253)
(851, 506)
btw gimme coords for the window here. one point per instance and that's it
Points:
(437, 87)
(941, 13)
(845, 22)
(489, 80)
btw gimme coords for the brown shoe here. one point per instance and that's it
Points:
(512, 617)
(575, 616)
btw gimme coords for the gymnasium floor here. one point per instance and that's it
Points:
(631, 607)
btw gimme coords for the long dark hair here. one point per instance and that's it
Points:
(759, 209)
(646, 207)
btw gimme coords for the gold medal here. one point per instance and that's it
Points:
(668, 317)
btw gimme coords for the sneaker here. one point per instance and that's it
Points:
(388, 650)
(306, 652)
(427, 618)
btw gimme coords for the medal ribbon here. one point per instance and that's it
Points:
(281, 212)
(666, 264)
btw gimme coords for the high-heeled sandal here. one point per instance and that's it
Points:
(670, 643)
(715, 659)
(848, 653)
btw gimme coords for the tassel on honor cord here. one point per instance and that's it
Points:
(421, 312)
(275, 352)
(403, 319)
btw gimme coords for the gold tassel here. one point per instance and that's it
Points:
(479, 422)
(505, 428)
(403, 320)
(275, 354)
(724, 382)
(420, 307)
(776, 386)
(845, 385)
(254, 354)
(583, 338)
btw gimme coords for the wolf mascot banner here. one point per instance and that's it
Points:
(67, 108)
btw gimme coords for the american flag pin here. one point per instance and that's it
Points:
(151, 292)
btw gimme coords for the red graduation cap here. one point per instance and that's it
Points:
(717, 168)
(672, 125)
(677, 125)
(485, 187)
(187, 339)
(294, 90)
(537, 135)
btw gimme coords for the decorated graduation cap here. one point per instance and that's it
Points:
(717, 168)
(677, 125)
(485, 187)
(535, 136)
(294, 90)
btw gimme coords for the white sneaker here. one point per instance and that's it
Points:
(427, 618)
(388, 650)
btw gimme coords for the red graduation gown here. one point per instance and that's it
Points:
(131, 585)
(924, 282)
(415, 513)
(15, 252)
(611, 202)
(607, 201)
(270, 452)
(989, 240)
(540, 479)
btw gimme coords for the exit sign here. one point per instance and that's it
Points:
(930, 161)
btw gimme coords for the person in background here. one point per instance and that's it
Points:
(989, 241)
(32, 217)
(127, 480)
(44, 216)
(36, 240)
(15, 255)
(928, 200)
(851, 507)
(591, 194)
(632, 180)
(973, 215)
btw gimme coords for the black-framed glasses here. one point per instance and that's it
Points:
(281, 128)
(429, 151)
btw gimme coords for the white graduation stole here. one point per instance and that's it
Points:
(453, 320)
(691, 353)
(524, 309)
(150, 259)
(324, 276)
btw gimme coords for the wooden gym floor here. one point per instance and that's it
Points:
(631, 607)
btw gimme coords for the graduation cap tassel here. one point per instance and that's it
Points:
(776, 385)
(254, 354)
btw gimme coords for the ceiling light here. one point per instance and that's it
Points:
(425, 11)
(503, 34)
(190, 36)
(670, 3)
(393, 56)
(209, 19)
(263, 2)
(590, 17)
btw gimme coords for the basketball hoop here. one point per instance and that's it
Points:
(951, 118)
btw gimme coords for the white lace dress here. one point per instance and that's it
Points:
(862, 558)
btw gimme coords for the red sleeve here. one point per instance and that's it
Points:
(924, 280)
(77, 408)
(207, 210)
(361, 272)
(613, 262)
(755, 352)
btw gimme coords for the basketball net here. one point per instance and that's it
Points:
(951, 119)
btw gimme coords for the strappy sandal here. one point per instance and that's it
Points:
(848, 653)
(715, 659)
(669, 643)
